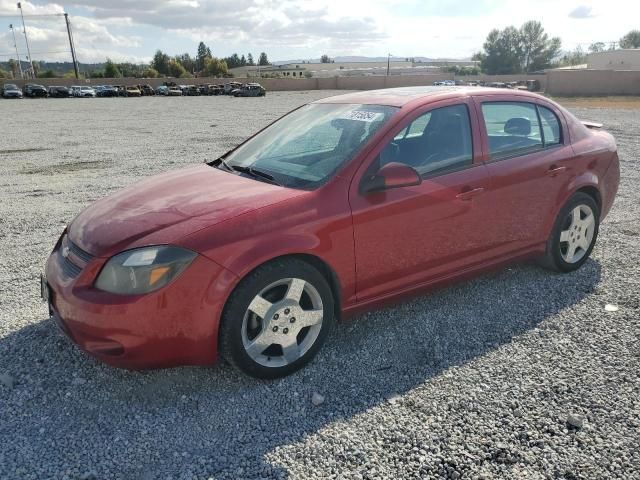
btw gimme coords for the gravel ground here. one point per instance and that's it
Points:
(519, 374)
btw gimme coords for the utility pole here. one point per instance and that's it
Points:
(15, 44)
(26, 39)
(388, 63)
(73, 49)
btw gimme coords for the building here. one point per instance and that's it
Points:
(624, 59)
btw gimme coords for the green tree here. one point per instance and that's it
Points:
(513, 50)
(47, 74)
(631, 40)
(597, 47)
(214, 67)
(150, 72)
(538, 49)
(176, 69)
(161, 62)
(263, 60)
(203, 53)
(250, 60)
(4, 73)
(187, 62)
(325, 59)
(575, 57)
(243, 61)
(111, 70)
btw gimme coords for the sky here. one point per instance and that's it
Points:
(126, 30)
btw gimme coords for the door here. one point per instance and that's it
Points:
(409, 235)
(529, 163)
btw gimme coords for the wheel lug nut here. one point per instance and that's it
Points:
(285, 330)
(292, 320)
(275, 329)
(276, 316)
(286, 311)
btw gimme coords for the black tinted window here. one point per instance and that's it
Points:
(437, 142)
(512, 128)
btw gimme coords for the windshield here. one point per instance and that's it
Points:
(10, 86)
(305, 148)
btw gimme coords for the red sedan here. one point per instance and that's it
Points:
(341, 206)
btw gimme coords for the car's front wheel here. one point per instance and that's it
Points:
(277, 319)
(574, 234)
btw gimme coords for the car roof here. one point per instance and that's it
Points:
(398, 97)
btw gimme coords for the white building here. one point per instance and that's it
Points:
(624, 59)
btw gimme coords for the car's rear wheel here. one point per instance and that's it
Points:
(574, 234)
(277, 319)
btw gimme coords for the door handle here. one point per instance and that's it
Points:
(554, 170)
(469, 194)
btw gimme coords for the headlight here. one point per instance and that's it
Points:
(143, 270)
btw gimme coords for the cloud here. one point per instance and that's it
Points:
(582, 11)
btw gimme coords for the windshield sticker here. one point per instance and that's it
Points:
(362, 116)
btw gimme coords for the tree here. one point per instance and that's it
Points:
(575, 57)
(325, 59)
(176, 69)
(187, 62)
(597, 47)
(513, 50)
(263, 60)
(203, 53)
(161, 62)
(111, 70)
(243, 61)
(4, 73)
(150, 72)
(631, 40)
(538, 49)
(250, 60)
(214, 67)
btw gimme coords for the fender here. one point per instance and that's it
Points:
(586, 179)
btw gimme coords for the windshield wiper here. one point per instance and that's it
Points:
(255, 173)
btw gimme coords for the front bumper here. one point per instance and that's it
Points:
(176, 325)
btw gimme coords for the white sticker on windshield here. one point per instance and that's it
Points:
(362, 116)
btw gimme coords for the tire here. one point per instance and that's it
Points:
(570, 232)
(274, 343)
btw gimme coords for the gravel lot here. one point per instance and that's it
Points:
(475, 381)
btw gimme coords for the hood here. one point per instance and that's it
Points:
(166, 207)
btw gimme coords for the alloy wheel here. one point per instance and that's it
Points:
(577, 233)
(282, 322)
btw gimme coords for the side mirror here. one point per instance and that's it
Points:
(392, 175)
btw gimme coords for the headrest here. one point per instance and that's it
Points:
(518, 126)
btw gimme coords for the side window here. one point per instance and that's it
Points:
(436, 142)
(550, 127)
(512, 127)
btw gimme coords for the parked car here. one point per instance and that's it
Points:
(107, 91)
(230, 87)
(192, 91)
(217, 90)
(34, 91)
(162, 90)
(250, 90)
(82, 91)
(133, 91)
(11, 90)
(146, 90)
(497, 85)
(339, 207)
(59, 92)
(175, 92)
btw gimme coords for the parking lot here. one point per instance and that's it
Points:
(474, 381)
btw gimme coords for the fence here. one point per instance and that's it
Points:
(554, 82)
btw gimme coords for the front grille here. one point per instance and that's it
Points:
(86, 257)
(75, 260)
(69, 268)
